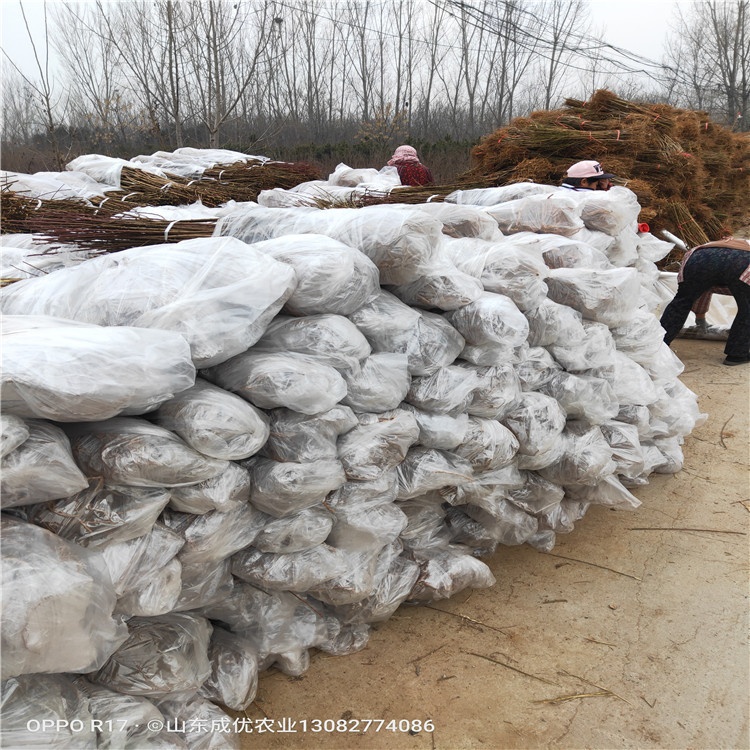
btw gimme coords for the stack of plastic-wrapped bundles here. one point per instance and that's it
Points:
(220, 453)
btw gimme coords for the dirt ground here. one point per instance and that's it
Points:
(631, 634)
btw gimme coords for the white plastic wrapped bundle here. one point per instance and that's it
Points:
(675, 413)
(40, 469)
(45, 186)
(304, 438)
(609, 297)
(505, 522)
(295, 533)
(470, 253)
(441, 431)
(391, 326)
(281, 489)
(640, 337)
(13, 432)
(331, 277)
(631, 383)
(583, 396)
(598, 240)
(426, 469)
(446, 571)
(610, 492)
(671, 451)
(162, 655)
(331, 339)
(136, 453)
(448, 391)
(665, 366)
(70, 372)
(394, 578)
(493, 195)
(379, 384)
(543, 458)
(131, 564)
(217, 292)
(624, 249)
(378, 444)
(125, 719)
(444, 288)
(212, 537)
(55, 702)
(562, 518)
(204, 583)
(586, 459)
(157, 596)
(296, 381)
(295, 571)
(214, 422)
(24, 257)
(101, 515)
(305, 194)
(465, 530)
(223, 493)
(345, 176)
(402, 244)
(233, 681)
(492, 319)
(537, 496)
(537, 420)
(564, 252)
(537, 369)
(610, 212)
(552, 323)
(625, 443)
(107, 169)
(652, 248)
(57, 604)
(355, 583)
(462, 221)
(485, 487)
(498, 391)
(512, 270)
(597, 349)
(487, 445)
(425, 525)
(553, 213)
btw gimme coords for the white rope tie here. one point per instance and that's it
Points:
(166, 231)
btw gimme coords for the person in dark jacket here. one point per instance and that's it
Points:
(410, 170)
(723, 267)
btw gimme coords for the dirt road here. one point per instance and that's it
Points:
(633, 633)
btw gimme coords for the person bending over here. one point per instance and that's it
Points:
(410, 170)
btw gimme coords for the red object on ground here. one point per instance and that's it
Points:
(643, 227)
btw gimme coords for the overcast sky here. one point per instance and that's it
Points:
(637, 25)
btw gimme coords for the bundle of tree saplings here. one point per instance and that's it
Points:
(221, 453)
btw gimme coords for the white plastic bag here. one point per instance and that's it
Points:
(553, 213)
(379, 384)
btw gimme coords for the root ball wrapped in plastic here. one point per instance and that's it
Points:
(487, 445)
(586, 459)
(203, 584)
(331, 277)
(272, 379)
(596, 349)
(72, 372)
(136, 453)
(497, 392)
(233, 681)
(426, 469)
(157, 596)
(553, 213)
(199, 718)
(551, 323)
(40, 469)
(162, 655)
(502, 194)
(282, 489)
(400, 243)
(379, 384)
(101, 515)
(331, 339)
(503, 521)
(627, 452)
(304, 438)
(57, 604)
(441, 431)
(366, 525)
(492, 319)
(295, 533)
(571, 252)
(537, 420)
(449, 390)
(378, 444)
(609, 297)
(220, 294)
(13, 432)
(583, 396)
(610, 212)
(444, 572)
(224, 492)
(214, 422)
(444, 288)
(462, 221)
(537, 369)
(428, 340)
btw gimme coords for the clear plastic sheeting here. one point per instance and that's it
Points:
(447, 571)
(401, 243)
(441, 431)
(223, 492)
(553, 213)
(551, 323)
(583, 396)
(101, 515)
(69, 372)
(214, 422)
(331, 277)
(494, 195)
(162, 655)
(217, 292)
(13, 432)
(295, 533)
(487, 445)
(492, 319)
(233, 681)
(272, 379)
(55, 702)
(537, 421)
(203, 725)
(610, 211)
(380, 382)
(428, 340)
(444, 288)
(136, 453)
(57, 604)
(652, 248)
(40, 469)
(462, 221)
(450, 390)
(427, 469)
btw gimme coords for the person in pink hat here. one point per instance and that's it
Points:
(410, 170)
(587, 175)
